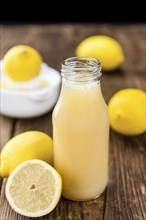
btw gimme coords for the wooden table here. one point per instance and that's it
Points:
(125, 196)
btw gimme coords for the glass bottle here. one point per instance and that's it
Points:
(81, 130)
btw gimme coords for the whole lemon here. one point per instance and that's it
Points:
(127, 110)
(22, 63)
(25, 146)
(106, 49)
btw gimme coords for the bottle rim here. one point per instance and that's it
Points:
(81, 69)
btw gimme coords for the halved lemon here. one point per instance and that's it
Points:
(34, 188)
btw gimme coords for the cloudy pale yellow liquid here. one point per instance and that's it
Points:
(80, 132)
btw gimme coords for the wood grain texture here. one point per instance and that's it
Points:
(7, 127)
(125, 196)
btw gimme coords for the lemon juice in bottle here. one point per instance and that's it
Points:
(81, 130)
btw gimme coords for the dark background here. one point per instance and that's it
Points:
(59, 11)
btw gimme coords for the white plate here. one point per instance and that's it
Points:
(32, 103)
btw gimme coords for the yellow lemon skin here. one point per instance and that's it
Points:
(25, 146)
(22, 63)
(106, 49)
(127, 110)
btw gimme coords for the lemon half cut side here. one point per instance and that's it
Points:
(34, 188)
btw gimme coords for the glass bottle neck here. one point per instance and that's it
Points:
(79, 84)
(81, 70)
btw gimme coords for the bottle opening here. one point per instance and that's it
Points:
(81, 69)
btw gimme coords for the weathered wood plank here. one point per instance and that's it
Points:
(93, 209)
(126, 197)
(43, 123)
(7, 127)
(6, 130)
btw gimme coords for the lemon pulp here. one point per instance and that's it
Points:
(34, 188)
